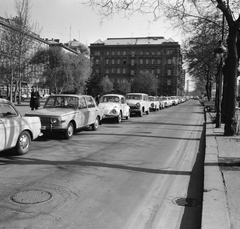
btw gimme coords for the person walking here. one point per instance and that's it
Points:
(35, 99)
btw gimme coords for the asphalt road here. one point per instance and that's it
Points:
(143, 173)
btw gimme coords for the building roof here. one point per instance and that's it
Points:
(135, 41)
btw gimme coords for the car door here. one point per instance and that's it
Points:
(10, 126)
(93, 110)
(124, 107)
(82, 113)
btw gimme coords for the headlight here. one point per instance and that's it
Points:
(55, 120)
(138, 105)
(113, 111)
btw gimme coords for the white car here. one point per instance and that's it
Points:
(17, 131)
(154, 103)
(67, 113)
(114, 106)
(138, 103)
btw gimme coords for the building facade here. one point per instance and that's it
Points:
(122, 59)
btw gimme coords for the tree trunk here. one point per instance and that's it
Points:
(230, 123)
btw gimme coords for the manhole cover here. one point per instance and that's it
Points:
(31, 197)
(185, 202)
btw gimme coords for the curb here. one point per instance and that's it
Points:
(214, 212)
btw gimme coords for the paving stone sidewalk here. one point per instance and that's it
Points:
(221, 197)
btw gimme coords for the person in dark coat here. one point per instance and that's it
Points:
(35, 98)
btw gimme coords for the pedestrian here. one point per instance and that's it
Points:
(97, 99)
(35, 98)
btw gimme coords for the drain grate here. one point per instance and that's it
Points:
(185, 202)
(33, 196)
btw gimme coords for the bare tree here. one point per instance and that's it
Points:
(17, 42)
(184, 14)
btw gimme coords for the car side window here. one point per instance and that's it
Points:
(90, 102)
(82, 103)
(122, 100)
(6, 111)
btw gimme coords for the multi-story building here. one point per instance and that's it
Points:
(123, 58)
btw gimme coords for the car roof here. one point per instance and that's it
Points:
(113, 95)
(68, 95)
(137, 93)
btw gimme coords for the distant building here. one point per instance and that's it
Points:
(123, 58)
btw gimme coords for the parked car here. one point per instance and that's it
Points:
(138, 103)
(67, 113)
(114, 106)
(154, 103)
(161, 103)
(16, 131)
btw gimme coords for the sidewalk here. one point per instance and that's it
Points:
(221, 197)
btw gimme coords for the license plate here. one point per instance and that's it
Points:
(43, 127)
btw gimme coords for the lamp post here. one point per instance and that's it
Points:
(219, 52)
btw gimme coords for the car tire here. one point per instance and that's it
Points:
(23, 143)
(69, 131)
(128, 116)
(119, 118)
(95, 125)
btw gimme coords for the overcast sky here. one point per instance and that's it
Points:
(70, 19)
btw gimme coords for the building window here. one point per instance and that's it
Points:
(97, 53)
(169, 51)
(147, 52)
(132, 62)
(158, 71)
(147, 61)
(168, 82)
(132, 72)
(113, 61)
(97, 61)
(152, 70)
(124, 53)
(158, 52)
(153, 53)
(118, 71)
(107, 71)
(153, 61)
(141, 61)
(112, 71)
(169, 61)
(132, 53)
(158, 61)
(118, 61)
(124, 70)
(113, 53)
(119, 53)
(107, 62)
(141, 52)
(169, 72)
(107, 53)
(124, 61)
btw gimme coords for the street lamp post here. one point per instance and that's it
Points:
(219, 52)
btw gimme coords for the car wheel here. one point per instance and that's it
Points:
(119, 118)
(23, 143)
(69, 131)
(95, 125)
(128, 115)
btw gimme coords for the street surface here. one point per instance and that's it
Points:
(142, 173)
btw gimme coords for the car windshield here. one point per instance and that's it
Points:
(61, 101)
(109, 99)
(6, 110)
(136, 97)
